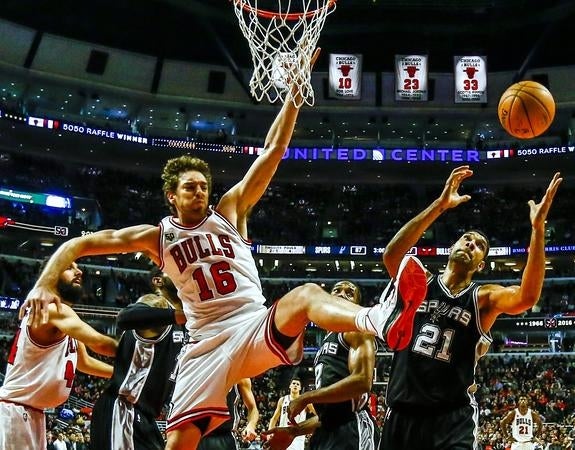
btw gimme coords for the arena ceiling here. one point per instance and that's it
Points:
(515, 34)
(511, 32)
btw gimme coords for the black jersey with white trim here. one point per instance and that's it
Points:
(437, 369)
(332, 365)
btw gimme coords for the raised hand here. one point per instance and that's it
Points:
(295, 82)
(38, 300)
(538, 212)
(450, 198)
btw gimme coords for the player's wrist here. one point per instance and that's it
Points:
(538, 231)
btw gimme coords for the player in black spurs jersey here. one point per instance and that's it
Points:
(124, 416)
(430, 393)
(344, 375)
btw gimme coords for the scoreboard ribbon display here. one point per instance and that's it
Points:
(534, 324)
(401, 154)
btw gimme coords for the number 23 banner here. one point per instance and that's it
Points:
(411, 77)
(345, 76)
(470, 79)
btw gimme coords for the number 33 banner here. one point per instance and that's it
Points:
(411, 77)
(345, 76)
(470, 79)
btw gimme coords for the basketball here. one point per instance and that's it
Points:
(526, 109)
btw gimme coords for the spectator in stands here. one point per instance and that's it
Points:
(450, 332)
(42, 364)
(59, 443)
(50, 441)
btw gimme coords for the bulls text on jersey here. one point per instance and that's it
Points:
(198, 247)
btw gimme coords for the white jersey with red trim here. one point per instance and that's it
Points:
(214, 270)
(39, 376)
(522, 426)
(284, 420)
(298, 442)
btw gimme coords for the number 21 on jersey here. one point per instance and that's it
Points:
(434, 342)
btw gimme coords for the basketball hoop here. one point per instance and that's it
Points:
(282, 43)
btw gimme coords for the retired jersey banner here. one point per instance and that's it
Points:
(345, 76)
(470, 79)
(411, 77)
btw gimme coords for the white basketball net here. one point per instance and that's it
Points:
(282, 45)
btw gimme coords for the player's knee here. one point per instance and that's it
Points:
(308, 292)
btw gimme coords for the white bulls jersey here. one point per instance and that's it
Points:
(522, 426)
(39, 376)
(215, 273)
(299, 441)
(284, 422)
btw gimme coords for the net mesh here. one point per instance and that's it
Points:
(282, 42)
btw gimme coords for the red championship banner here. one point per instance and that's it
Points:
(470, 79)
(345, 76)
(411, 77)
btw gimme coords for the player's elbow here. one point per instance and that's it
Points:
(391, 261)
(386, 257)
(530, 300)
(79, 246)
(365, 384)
(361, 384)
(73, 247)
(107, 346)
(525, 303)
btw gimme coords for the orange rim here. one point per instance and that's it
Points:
(290, 16)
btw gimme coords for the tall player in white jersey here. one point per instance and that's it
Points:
(42, 364)
(523, 421)
(281, 413)
(206, 252)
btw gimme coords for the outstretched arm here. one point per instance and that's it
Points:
(245, 388)
(361, 361)
(68, 322)
(127, 240)
(91, 365)
(150, 311)
(238, 201)
(517, 299)
(410, 233)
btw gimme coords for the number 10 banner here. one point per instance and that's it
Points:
(411, 77)
(470, 79)
(345, 76)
